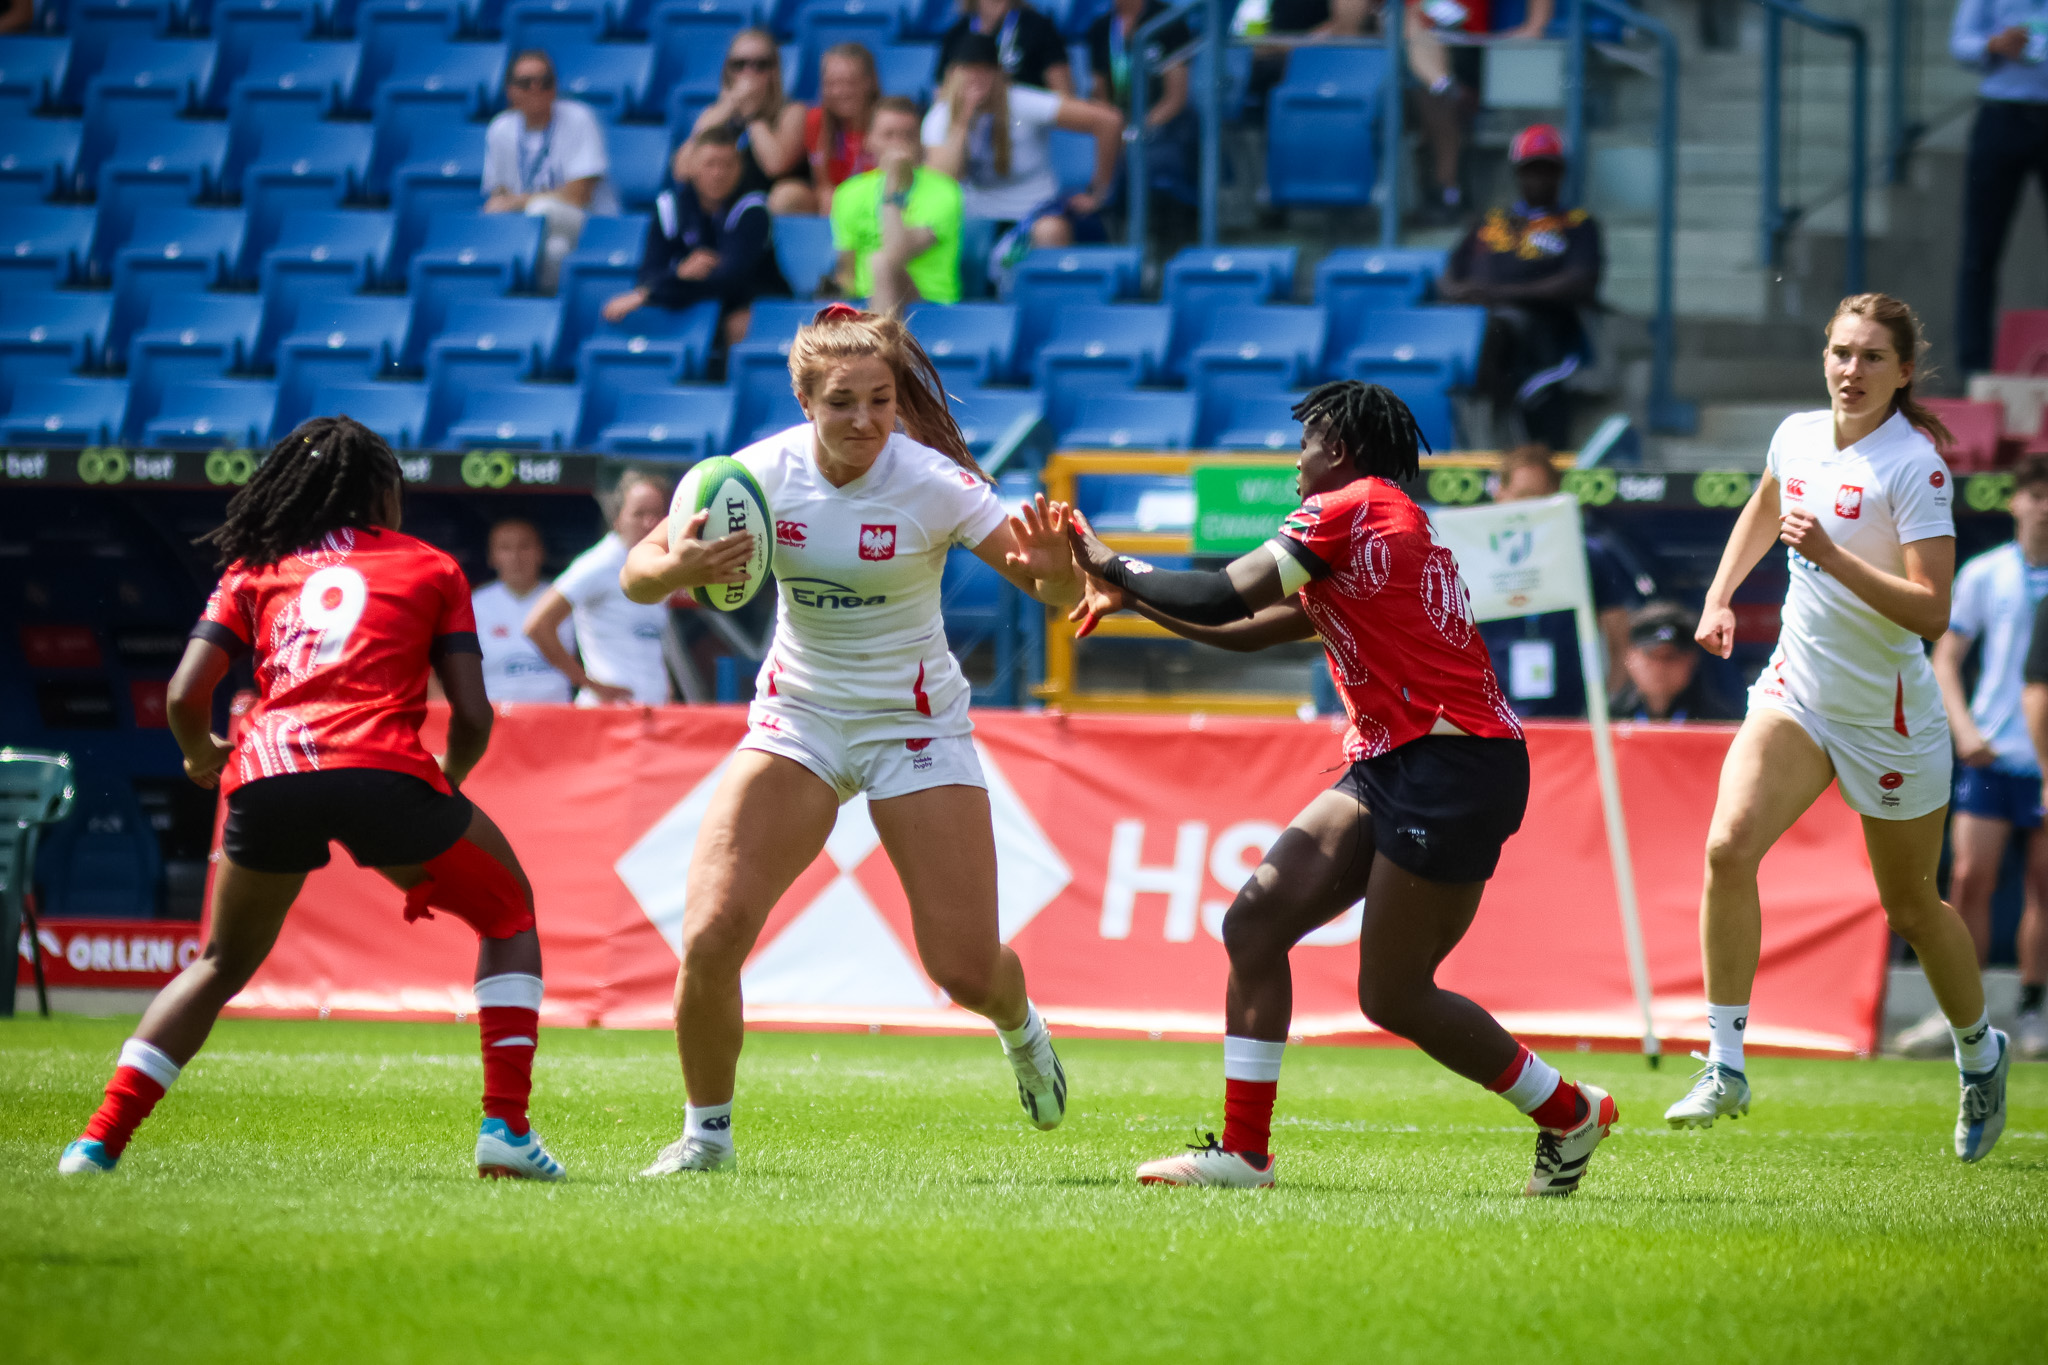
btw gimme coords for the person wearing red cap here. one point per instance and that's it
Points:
(1534, 265)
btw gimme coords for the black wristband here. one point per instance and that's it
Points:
(1199, 597)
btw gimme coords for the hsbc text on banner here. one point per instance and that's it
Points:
(1120, 841)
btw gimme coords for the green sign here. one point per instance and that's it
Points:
(1239, 506)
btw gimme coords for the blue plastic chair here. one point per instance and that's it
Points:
(1200, 280)
(154, 168)
(969, 343)
(239, 27)
(536, 416)
(689, 46)
(1245, 415)
(687, 423)
(609, 366)
(1073, 159)
(989, 416)
(454, 372)
(300, 167)
(600, 268)
(172, 251)
(907, 69)
(1147, 420)
(45, 334)
(445, 176)
(527, 326)
(96, 25)
(609, 77)
(1049, 281)
(188, 338)
(549, 24)
(337, 341)
(1321, 145)
(43, 246)
(1280, 345)
(386, 28)
(804, 251)
(478, 68)
(144, 83)
(824, 25)
(676, 342)
(1122, 345)
(397, 412)
(65, 412)
(1442, 340)
(286, 82)
(32, 71)
(208, 414)
(634, 18)
(321, 250)
(639, 169)
(466, 256)
(1428, 398)
(403, 114)
(1353, 283)
(39, 156)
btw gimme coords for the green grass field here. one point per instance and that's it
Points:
(305, 1193)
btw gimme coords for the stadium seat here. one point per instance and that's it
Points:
(691, 423)
(302, 166)
(64, 412)
(154, 167)
(1048, 281)
(38, 157)
(609, 77)
(187, 338)
(466, 256)
(335, 239)
(1148, 420)
(617, 241)
(758, 368)
(682, 109)
(43, 246)
(610, 364)
(45, 334)
(1200, 280)
(774, 322)
(145, 82)
(632, 19)
(1073, 160)
(397, 412)
(403, 112)
(337, 341)
(1246, 416)
(239, 27)
(1075, 16)
(1280, 344)
(977, 243)
(445, 176)
(478, 68)
(804, 251)
(295, 82)
(1979, 431)
(1090, 346)
(454, 371)
(606, 262)
(540, 416)
(823, 25)
(1428, 398)
(639, 169)
(527, 326)
(206, 414)
(931, 18)
(2022, 346)
(1443, 339)
(988, 417)
(1352, 284)
(1321, 127)
(178, 250)
(386, 28)
(970, 343)
(97, 25)
(907, 69)
(549, 24)
(689, 45)
(1138, 502)
(31, 72)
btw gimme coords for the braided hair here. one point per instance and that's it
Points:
(329, 472)
(1378, 432)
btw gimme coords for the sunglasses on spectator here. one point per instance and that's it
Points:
(749, 63)
(532, 82)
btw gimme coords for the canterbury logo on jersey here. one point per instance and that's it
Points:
(823, 592)
(790, 533)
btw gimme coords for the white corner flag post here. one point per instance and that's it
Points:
(1523, 558)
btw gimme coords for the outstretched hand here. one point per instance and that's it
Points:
(1038, 532)
(1093, 556)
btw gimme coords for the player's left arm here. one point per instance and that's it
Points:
(1200, 597)
(1030, 549)
(1919, 601)
(188, 706)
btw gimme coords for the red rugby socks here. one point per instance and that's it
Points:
(141, 1077)
(1534, 1086)
(1251, 1082)
(508, 1012)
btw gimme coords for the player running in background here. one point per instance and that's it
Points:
(1861, 500)
(857, 694)
(1437, 782)
(344, 617)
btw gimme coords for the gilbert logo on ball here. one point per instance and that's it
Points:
(722, 486)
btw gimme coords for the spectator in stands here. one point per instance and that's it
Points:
(545, 157)
(1172, 132)
(767, 126)
(1449, 77)
(995, 139)
(513, 669)
(1534, 265)
(2008, 41)
(619, 640)
(1028, 44)
(898, 227)
(18, 15)
(1663, 667)
(1537, 657)
(835, 131)
(708, 238)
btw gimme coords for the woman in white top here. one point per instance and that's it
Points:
(545, 157)
(1861, 499)
(995, 139)
(513, 669)
(620, 640)
(858, 694)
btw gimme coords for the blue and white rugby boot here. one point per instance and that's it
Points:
(88, 1156)
(1981, 1117)
(503, 1155)
(1041, 1082)
(1717, 1091)
(688, 1153)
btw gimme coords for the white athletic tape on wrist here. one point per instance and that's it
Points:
(151, 1061)
(516, 990)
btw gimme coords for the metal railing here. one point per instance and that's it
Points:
(1206, 91)
(1777, 219)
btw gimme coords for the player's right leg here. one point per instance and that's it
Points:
(1773, 772)
(768, 820)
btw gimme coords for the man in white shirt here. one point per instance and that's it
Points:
(545, 157)
(620, 640)
(513, 669)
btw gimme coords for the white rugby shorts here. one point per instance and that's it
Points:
(853, 752)
(1880, 772)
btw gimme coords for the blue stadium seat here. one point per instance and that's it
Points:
(609, 364)
(388, 27)
(931, 19)
(466, 256)
(1353, 283)
(475, 69)
(239, 27)
(804, 251)
(1443, 340)
(758, 368)
(689, 45)
(681, 110)
(1147, 420)
(539, 416)
(319, 252)
(762, 410)
(825, 24)
(445, 176)
(1138, 502)
(402, 113)
(1321, 122)
(774, 322)
(634, 18)
(45, 334)
(609, 77)
(607, 238)
(977, 243)
(145, 82)
(527, 326)
(294, 82)
(639, 168)
(397, 412)
(1280, 344)
(1093, 346)
(1048, 281)
(988, 416)
(548, 24)
(301, 167)
(31, 71)
(907, 69)
(171, 251)
(1200, 280)
(1427, 396)
(155, 167)
(458, 364)
(207, 414)
(606, 262)
(1246, 415)
(337, 341)
(96, 25)
(691, 423)
(187, 338)
(1073, 160)
(43, 246)
(970, 343)
(65, 412)
(39, 157)
(1074, 16)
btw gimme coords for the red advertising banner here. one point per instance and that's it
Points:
(124, 953)
(1121, 840)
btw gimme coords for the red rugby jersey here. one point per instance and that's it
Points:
(343, 636)
(1395, 620)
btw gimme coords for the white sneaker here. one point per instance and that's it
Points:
(85, 1156)
(1208, 1164)
(1717, 1091)
(1931, 1037)
(1041, 1082)
(503, 1155)
(1981, 1116)
(1561, 1157)
(691, 1154)
(2032, 1044)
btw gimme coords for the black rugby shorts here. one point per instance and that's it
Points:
(1443, 805)
(384, 819)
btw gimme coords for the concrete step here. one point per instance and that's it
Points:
(1742, 296)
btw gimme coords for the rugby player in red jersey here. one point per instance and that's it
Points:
(1437, 782)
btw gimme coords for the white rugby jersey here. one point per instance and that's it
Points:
(513, 669)
(620, 638)
(1836, 655)
(857, 624)
(1996, 596)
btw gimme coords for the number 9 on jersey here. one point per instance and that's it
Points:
(722, 486)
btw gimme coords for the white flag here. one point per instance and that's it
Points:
(1519, 558)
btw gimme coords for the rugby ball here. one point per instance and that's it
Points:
(724, 487)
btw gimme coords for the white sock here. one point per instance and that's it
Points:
(1725, 1024)
(1252, 1059)
(151, 1060)
(1026, 1034)
(1976, 1046)
(710, 1123)
(1537, 1083)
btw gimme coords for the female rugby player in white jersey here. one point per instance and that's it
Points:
(1861, 499)
(858, 694)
